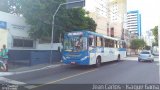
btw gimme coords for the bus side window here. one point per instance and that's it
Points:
(99, 41)
(124, 45)
(110, 43)
(115, 44)
(102, 41)
(91, 41)
(95, 38)
(106, 42)
(120, 44)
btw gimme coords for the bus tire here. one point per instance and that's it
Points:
(118, 57)
(98, 62)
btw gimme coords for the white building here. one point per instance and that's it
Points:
(14, 34)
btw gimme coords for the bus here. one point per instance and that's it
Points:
(91, 48)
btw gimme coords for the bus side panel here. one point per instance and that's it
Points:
(110, 54)
(94, 53)
(92, 58)
(122, 52)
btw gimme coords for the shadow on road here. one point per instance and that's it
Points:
(87, 67)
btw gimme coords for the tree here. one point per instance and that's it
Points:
(147, 47)
(155, 33)
(137, 44)
(10, 6)
(39, 16)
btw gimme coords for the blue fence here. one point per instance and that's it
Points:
(33, 57)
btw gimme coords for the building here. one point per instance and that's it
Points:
(108, 14)
(134, 23)
(22, 48)
(117, 12)
(98, 11)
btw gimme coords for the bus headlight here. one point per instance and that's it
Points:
(84, 58)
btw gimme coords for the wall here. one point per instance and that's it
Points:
(47, 46)
(3, 37)
(33, 57)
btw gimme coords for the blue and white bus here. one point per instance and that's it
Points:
(89, 48)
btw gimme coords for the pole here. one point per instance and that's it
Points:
(53, 31)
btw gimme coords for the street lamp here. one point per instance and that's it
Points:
(77, 1)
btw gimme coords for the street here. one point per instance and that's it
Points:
(124, 72)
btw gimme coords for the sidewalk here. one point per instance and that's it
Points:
(22, 68)
(131, 58)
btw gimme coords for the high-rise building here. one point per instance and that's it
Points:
(134, 23)
(108, 14)
(98, 11)
(117, 11)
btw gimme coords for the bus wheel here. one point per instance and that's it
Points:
(118, 57)
(98, 62)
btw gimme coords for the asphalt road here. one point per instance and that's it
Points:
(123, 72)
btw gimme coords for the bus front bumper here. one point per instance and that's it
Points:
(76, 62)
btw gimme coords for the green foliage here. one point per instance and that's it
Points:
(147, 47)
(154, 44)
(38, 14)
(137, 44)
(10, 6)
(155, 33)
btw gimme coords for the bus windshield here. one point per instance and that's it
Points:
(75, 43)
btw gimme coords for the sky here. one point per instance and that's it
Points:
(149, 10)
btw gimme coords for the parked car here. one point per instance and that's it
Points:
(145, 56)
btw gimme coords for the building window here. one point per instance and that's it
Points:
(23, 43)
(112, 32)
(107, 31)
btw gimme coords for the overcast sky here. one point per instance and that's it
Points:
(149, 9)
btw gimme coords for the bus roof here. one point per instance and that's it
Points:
(97, 34)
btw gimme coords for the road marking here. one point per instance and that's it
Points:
(66, 78)
(71, 76)
(11, 81)
(47, 67)
(6, 73)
